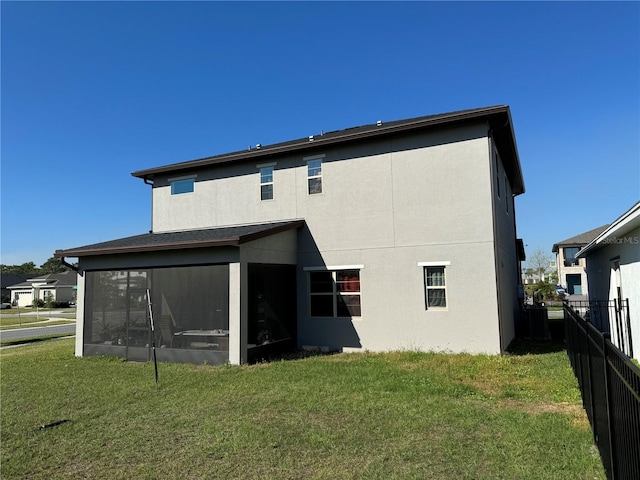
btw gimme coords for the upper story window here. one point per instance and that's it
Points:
(266, 181)
(182, 185)
(314, 175)
(335, 292)
(570, 259)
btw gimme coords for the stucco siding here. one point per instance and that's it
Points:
(602, 282)
(388, 205)
(393, 301)
(506, 259)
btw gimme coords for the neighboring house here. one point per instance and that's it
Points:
(8, 279)
(613, 271)
(398, 235)
(571, 270)
(59, 287)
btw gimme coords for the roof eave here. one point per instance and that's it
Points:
(79, 252)
(264, 152)
(627, 221)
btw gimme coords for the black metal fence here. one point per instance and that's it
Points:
(608, 316)
(610, 387)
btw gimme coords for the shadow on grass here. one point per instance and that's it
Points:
(522, 346)
(26, 341)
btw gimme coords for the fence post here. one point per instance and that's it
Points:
(630, 336)
(606, 339)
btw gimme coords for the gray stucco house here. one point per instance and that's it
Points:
(394, 235)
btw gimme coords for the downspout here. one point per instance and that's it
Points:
(69, 265)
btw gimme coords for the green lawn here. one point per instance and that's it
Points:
(357, 416)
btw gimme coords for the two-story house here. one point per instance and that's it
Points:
(572, 275)
(394, 235)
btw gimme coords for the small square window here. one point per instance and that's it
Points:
(182, 186)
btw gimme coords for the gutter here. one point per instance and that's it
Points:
(68, 265)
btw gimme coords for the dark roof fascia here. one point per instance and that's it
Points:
(81, 252)
(232, 241)
(497, 116)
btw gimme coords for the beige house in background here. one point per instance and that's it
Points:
(60, 287)
(571, 269)
(393, 235)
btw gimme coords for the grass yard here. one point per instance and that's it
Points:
(356, 416)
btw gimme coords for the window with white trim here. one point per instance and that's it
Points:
(314, 176)
(266, 182)
(435, 284)
(182, 185)
(334, 293)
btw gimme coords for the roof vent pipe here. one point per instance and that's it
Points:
(379, 123)
(311, 138)
(258, 145)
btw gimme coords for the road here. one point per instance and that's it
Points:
(19, 333)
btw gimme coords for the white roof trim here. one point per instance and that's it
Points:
(623, 224)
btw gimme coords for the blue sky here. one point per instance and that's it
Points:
(92, 91)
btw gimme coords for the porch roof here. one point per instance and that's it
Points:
(210, 237)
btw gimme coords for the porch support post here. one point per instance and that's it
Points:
(80, 315)
(237, 313)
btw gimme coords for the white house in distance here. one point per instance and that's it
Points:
(613, 271)
(393, 235)
(60, 287)
(571, 269)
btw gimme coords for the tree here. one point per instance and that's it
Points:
(26, 268)
(53, 265)
(539, 264)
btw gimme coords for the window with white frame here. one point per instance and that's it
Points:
(314, 175)
(266, 182)
(182, 185)
(334, 292)
(435, 284)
